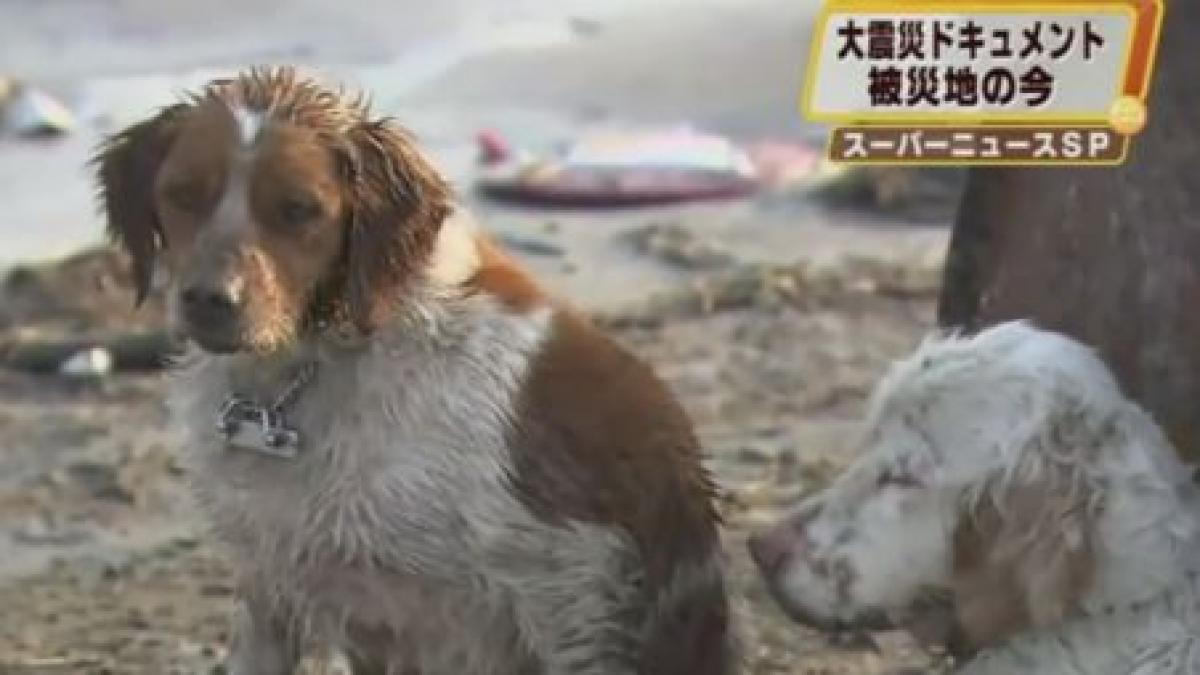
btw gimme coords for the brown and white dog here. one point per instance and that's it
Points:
(478, 482)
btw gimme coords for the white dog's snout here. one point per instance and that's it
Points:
(773, 548)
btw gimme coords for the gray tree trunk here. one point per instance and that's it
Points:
(1109, 256)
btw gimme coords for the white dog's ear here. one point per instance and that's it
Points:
(1022, 552)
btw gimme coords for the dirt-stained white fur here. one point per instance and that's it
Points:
(1013, 414)
(397, 517)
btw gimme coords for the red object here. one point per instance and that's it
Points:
(780, 163)
(609, 168)
(493, 149)
(623, 187)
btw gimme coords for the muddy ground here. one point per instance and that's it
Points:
(107, 571)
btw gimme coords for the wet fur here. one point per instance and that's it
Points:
(487, 485)
(1007, 471)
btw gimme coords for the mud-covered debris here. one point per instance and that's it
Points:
(43, 530)
(88, 363)
(30, 112)
(767, 285)
(680, 246)
(89, 290)
(101, 480)
(532, 245)
(926, 195)
(91, 356)
(216, 590)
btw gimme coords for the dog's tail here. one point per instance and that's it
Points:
(690, 629)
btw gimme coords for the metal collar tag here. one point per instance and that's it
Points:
(248, 426)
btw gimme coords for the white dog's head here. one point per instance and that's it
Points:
(1004, 471)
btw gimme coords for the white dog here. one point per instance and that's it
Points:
(1006, 474)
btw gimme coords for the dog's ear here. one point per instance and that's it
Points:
(126, 164)
(1023, 552)
(398, 203)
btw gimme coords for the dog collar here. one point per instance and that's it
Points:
(249, 425)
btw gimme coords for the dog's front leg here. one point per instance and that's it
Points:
(261, 641)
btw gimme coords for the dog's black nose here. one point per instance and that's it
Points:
(209, 302)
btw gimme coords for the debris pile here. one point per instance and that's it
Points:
(29, 112)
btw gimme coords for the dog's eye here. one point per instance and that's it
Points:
(298, 210)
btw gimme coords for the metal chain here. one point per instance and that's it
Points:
(301, 380)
